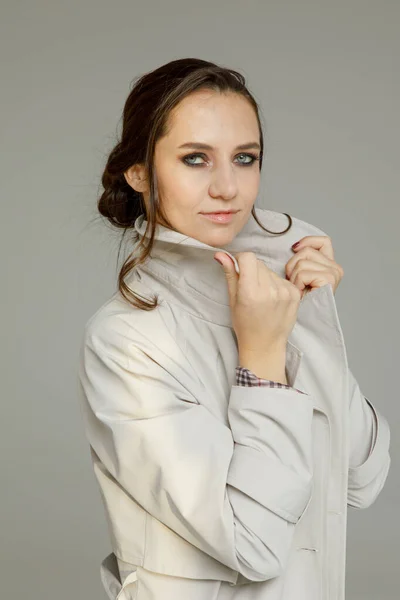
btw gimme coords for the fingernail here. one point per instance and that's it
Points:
(295, 245)
(217, 259)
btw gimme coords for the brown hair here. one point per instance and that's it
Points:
(145, 119)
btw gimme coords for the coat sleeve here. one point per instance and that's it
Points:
(246, 377)
(235, 492)
(369, 460)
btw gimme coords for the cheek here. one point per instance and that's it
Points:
(249, 182)
(180, 200)
(173, 187)
(178, 180)
(186, 191)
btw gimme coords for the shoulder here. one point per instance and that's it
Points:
(123, 342)
(117, 323)
(132, 336)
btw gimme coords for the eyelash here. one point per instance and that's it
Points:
(249, 164)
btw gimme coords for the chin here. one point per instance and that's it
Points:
(220, 238)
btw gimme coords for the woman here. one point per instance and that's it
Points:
(227, 433)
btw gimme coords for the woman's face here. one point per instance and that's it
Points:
(193, 179)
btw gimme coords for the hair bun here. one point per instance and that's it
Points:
(120, 204)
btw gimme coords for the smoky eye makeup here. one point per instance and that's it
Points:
(249, 156)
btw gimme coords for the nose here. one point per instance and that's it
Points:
(223, 183)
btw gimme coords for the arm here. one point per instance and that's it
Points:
(187, 468)
(369, 459)
(366, 477)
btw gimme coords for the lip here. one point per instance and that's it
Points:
(220, 212)
(220, 217)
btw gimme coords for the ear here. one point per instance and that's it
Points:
(135, 176)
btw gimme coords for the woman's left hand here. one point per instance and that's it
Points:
(313, 264)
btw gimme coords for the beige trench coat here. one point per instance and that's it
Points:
(213, 490)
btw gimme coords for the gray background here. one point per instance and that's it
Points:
(327, 77)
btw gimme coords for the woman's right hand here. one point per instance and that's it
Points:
(263, 305)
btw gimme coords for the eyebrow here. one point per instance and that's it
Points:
(201, 146)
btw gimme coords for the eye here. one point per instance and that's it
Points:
(252, 158)
(186, 159)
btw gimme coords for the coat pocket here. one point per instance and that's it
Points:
(305, 578)
(311, 527)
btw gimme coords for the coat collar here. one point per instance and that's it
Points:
(182, 270)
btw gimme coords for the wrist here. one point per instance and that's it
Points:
(271, 365)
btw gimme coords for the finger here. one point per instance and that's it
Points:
(311, 255)
(248, 266)
(314, 279)
(322, 243)
(311, 265)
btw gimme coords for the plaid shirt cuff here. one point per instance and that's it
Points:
(248, 378)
